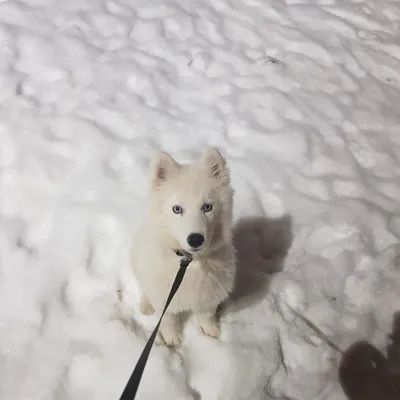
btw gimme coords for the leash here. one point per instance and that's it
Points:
(132, 386)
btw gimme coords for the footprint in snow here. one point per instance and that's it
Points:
(94, 287)
(104, 239)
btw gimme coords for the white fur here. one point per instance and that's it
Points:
(210, 277)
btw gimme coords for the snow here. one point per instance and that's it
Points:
(301, 96)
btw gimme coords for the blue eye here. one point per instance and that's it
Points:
(207, 207)
(177, 209)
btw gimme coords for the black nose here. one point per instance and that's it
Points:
(195, 240)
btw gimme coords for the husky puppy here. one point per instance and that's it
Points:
(190, 209)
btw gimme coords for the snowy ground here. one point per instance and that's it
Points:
(301, 96)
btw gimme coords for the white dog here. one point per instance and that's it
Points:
(189, 208)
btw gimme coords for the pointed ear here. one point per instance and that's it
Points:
(215, 165)
(162, 168)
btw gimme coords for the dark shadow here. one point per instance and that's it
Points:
(366, 374)
(261, 244)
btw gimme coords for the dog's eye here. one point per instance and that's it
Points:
(207, 207)
(177, 209)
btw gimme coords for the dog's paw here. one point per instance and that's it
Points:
(211, 328)
(145, 307)
(171, 340)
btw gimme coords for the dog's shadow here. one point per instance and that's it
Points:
(262, 244)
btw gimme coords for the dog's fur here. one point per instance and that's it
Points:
(210, 277)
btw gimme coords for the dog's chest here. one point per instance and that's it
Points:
(203, 288)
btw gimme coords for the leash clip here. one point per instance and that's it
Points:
(187, 258)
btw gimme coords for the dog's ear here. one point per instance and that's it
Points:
(163, 167)
(216, 166)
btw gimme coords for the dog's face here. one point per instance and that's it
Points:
(192, 203)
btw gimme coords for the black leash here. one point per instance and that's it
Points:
(132, 386)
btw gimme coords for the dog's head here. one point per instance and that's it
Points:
(191, 204)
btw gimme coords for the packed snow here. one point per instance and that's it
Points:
(302, 98)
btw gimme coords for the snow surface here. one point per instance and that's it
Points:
(301, 96)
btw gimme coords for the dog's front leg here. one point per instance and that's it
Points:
(170, 330)
(209, 323)
(145, 306)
